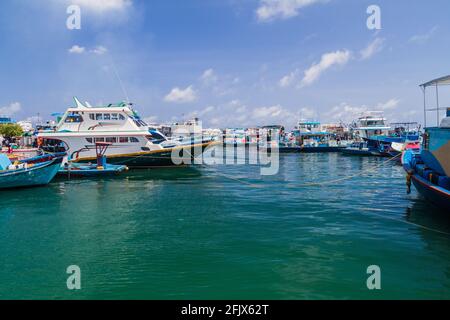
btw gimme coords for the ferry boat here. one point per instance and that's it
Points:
(133, 142)
(429, 168)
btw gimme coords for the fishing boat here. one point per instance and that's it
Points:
(360, 149)
(100, 169)
(133, 142)
(370, 125)
(36, 171)
(398, 140)
(429, 168)
(312, 138)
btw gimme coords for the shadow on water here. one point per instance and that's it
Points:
(175, 173)
(166, 174)
(424, 213)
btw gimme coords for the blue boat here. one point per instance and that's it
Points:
(100, 169)
(31, 172)
(429, 168)
(361, 149)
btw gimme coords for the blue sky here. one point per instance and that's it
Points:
(230, 62)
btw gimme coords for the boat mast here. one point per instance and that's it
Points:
(437, 105)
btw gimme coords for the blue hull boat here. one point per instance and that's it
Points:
(321, 149)
(36, 171)
(429, 167)
(429, 183)
(90, 171)
(100, 169)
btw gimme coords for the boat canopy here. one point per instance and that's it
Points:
(437, 82)
(443, 81)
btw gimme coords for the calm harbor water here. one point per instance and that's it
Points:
(226, 232)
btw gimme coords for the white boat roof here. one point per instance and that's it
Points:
(442, 81)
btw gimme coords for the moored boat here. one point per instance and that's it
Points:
(30, 172)
(429, 168)
(134, 143)
(100, 169)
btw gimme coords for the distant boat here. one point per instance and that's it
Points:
(360, 149)
(30, 172)
(429, 168)
(313, 139)
(371, 125)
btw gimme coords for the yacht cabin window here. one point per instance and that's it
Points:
(73, 117)
(111, 139)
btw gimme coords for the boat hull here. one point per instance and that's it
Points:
(439, 196)
(434, 193)
(38, 175)
(91, 171)
(321, 149)
(150, 159)
(357, 152)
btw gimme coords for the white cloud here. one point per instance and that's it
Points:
(307, 113)
(77, 49)
(348, 113)
(423, 38)
(151, 119)
(209, 77)
(269, 10)
(178, 95)
(373, 48)
(10, 110)
(100, 6)
(99, 50)
(288, 80)
(328, 60)
(388, 105)
(267, 112)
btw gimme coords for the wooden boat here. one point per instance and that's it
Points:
(101, 168)
(429, 168)
(30, 172)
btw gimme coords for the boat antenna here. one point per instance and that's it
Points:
(119, 79)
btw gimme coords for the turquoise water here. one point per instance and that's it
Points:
(225, 232)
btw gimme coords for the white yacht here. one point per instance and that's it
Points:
(371, 125)
(133, 142)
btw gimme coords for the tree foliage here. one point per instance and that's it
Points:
(11, 130)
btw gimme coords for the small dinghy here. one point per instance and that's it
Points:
(100, 169)
(36, 171)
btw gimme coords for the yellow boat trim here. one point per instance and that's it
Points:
(140, 154)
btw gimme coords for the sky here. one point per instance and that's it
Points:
(232, 63)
